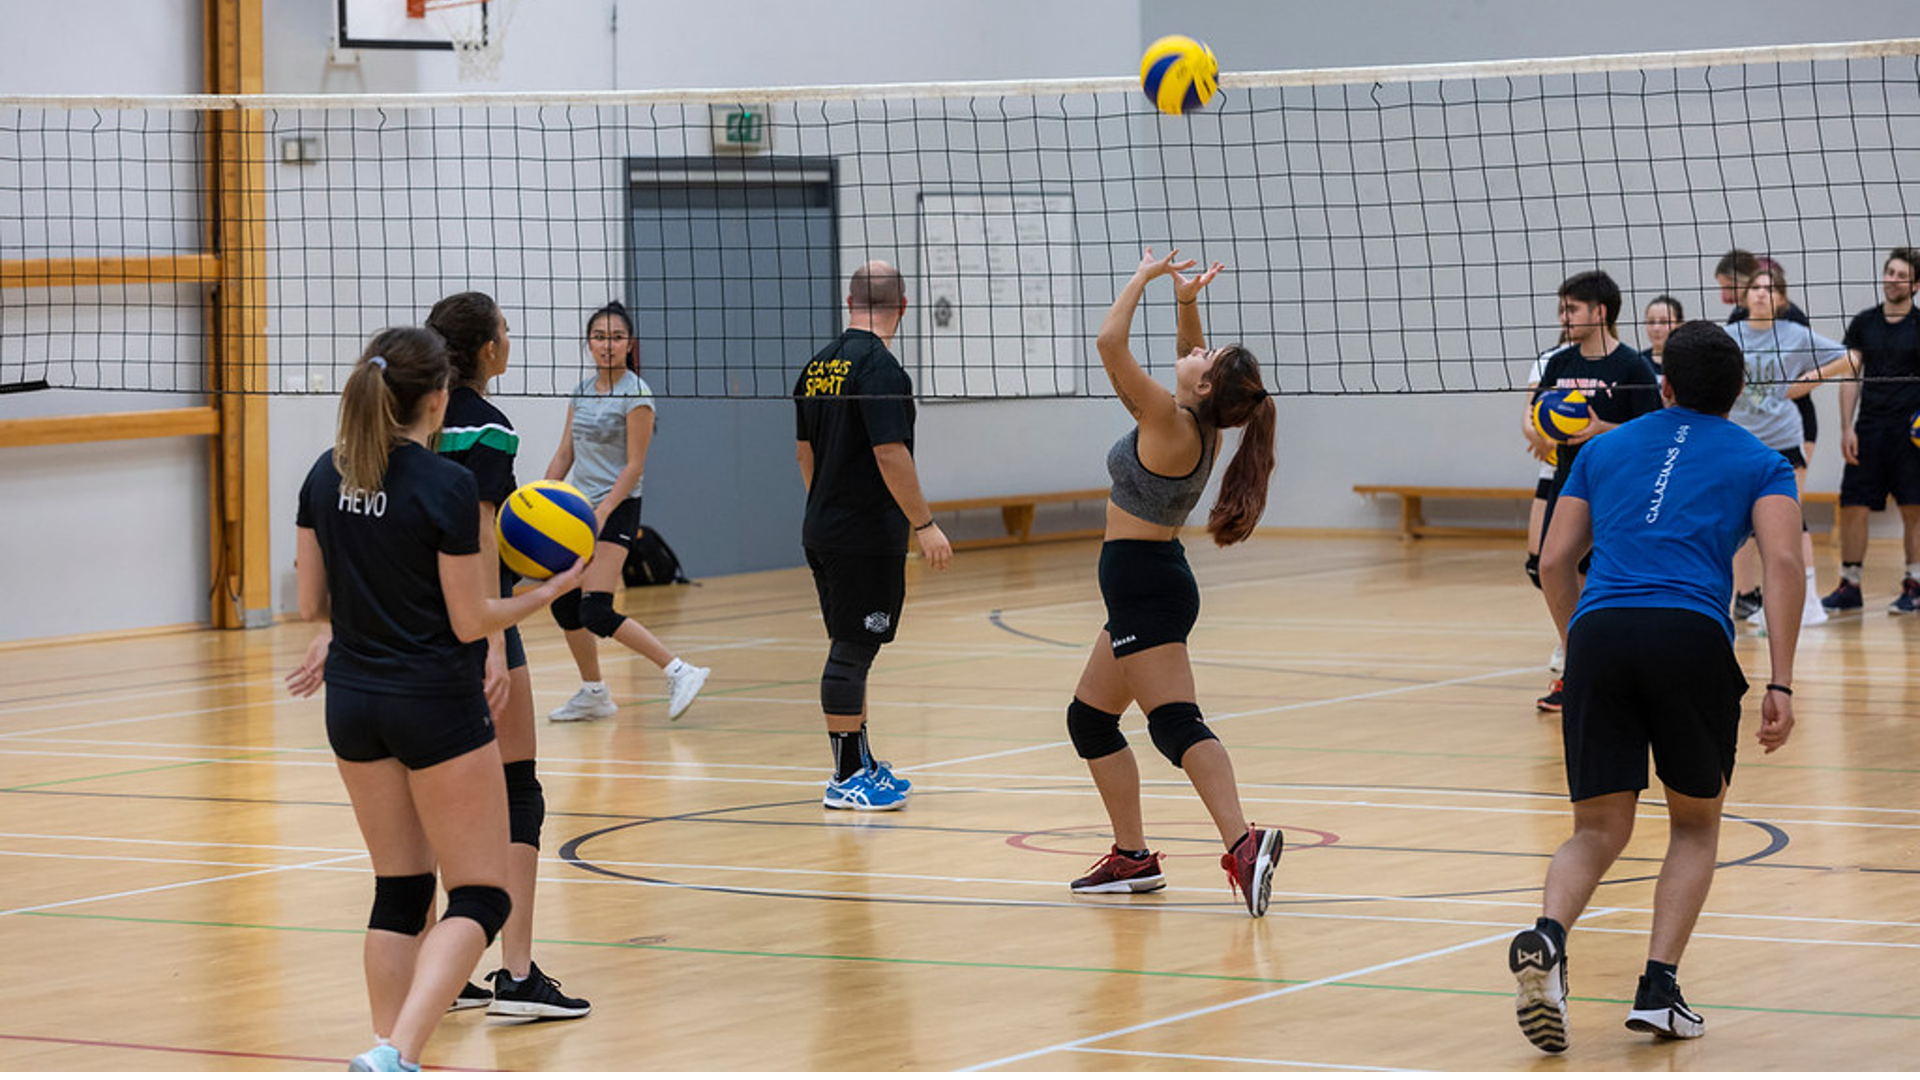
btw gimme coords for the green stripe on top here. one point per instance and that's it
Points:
(456, 440)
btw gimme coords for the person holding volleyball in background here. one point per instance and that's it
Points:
(479, 436)
(1159, 470)
(389, 552)
(609, 428)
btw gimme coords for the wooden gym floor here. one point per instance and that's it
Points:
(184, 887)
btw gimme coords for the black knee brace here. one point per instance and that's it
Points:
(1533, 569)
(843, 682)
(566, 610)
(401, 904)
(597, 614)
(1095, 734)
(526, 804)
(484, 904)
(1175, 727)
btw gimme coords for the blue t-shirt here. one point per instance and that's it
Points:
(1672, 497)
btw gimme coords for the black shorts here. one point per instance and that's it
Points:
(1809, 422)
(1794, 456)
(860, 595)
(1889, 465)
(1659, 678)
(1543, 487)
(516, 649)
(1151, 596)
(1546, 521)
(420, 731)
(622, 524)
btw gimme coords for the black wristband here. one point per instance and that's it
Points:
(1787, 690)
(924, 528)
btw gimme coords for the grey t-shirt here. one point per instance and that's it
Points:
(1776, 355)
(600, 433)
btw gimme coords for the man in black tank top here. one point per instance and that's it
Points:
(853, 422)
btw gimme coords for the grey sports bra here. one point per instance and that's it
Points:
(1149, 496)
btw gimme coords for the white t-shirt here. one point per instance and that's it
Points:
(600, 433)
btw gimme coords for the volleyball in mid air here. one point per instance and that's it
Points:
(545, 527)
(1561, 414)
(1178, 74)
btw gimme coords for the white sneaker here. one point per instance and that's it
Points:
(683, 688)
(586, 704)
(1557, 663)
(1812, 614)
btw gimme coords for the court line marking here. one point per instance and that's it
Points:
(1273, 1062)
(1193, 1014)
(176, 885)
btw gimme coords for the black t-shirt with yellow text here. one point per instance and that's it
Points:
(851, 397)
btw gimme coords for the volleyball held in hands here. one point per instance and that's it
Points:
(545, 527)
(1561, 414)
(1178, 74)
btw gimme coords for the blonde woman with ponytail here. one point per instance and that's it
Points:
(1159, 470)
(389, 554)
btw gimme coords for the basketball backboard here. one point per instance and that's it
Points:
(411, 24)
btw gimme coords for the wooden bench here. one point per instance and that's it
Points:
(1017, 513)
(1413, 521)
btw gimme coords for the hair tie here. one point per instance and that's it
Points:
(378, 361)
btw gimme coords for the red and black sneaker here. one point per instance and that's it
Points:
(1117, 872)
(1250, 864)
(1550, 702)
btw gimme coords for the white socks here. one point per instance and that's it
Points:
(676, 667)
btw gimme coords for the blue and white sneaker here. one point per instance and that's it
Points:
(863, 791)
(382, 1058)
(883, 774)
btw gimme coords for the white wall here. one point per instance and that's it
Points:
(156, 490)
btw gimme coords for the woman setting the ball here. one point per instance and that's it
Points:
(1159, 470)
(389, 551)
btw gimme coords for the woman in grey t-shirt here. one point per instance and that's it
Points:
(604, 447)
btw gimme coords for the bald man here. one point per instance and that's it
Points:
(853, 407)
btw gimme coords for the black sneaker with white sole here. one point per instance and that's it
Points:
(1540, 968)
(1660, 1010)
(536, 997)
(471, 997)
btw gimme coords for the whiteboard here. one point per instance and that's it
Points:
(997, 291)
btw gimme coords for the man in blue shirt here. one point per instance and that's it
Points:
(1663, 502)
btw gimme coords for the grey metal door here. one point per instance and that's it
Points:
(734, 275)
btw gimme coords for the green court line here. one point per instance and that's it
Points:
(254, 755)
(981, 965)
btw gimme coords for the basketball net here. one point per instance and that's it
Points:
(476, 28)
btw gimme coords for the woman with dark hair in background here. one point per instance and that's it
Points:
(1159, 470)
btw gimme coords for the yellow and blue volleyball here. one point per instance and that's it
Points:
(544, 527)
(1179, 74)
(1561, 414)
(1913, 429)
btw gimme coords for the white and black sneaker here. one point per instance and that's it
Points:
(1660, 1010)
(1540, 968)
(536, 997)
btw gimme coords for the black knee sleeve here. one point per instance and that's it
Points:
(597, 614)
(526, 804)
(843, 682)
(1095, 734)
(401, 904)
(1175, 727)
(1533, 569)
(484, 904)
(566, 610)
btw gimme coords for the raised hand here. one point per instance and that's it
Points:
(1186, 289)
(1152, 266)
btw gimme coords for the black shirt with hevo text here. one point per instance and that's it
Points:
(851, 397)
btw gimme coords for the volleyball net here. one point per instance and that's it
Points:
(1386, 231)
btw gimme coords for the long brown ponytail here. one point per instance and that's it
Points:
(1239, 399)
(383, 395)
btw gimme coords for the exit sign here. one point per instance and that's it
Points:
(742, 127)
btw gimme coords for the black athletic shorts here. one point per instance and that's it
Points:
(420, 731)
(622, 524)
(860, 595)
(1663, 679)
(1151, 596)
(1795, 457)
(1889, 465)
(1809, 421)
(516, 649)
(1543, 487)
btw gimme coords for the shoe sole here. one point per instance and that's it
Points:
(675, 714)
(848, 804)
(1131, 885)
(1541, 1013)
(569, 718)
(1272, 843)
(463, 1006)
(1665, 1023)
(534, 1010)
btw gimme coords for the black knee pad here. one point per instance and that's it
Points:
(566, 610)
(843, 682)
(401, 904)
(1533, 569)
(597, 614)
(1095, 734)
(526, 804)
(1175, 727)
(484, 904)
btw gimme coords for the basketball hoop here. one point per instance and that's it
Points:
(477, 30)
